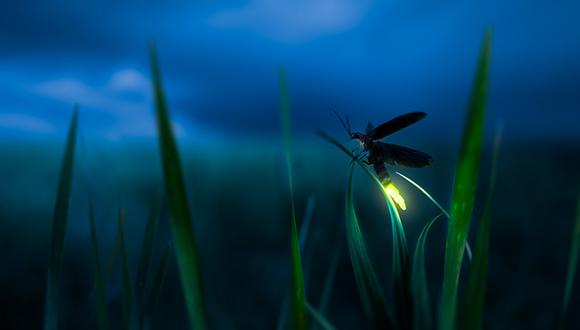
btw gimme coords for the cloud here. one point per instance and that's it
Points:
(129, 80)
(293, 20)
(102, 98)
(27, 123)
(124, 103)
(70, 90)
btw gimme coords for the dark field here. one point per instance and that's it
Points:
(238, 196)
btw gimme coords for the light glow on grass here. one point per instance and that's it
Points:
(395, 195)
(421, 189)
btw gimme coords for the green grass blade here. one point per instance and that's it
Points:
(299, 314)
(368, 285)
(401, 266)
(110, 269)
(100, 296)
(422, 190)
(59, 222)
(475, 291)
(306, 222)
(333, 141)
(127, 288)
(572, 266)
(159, 279)
(401, 269)
(143, 266)
(302, 238)
(319, 319)
(464, 188)
(329, 280)
(180, 219)
(422, 311)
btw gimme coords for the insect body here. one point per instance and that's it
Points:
(378, 153)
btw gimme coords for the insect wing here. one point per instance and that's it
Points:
(396, 124)
(370, 128)
(403, 156)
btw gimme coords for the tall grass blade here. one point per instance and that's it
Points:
(319, 319)
(302, 237)
(110, 269)
(422, 190)
(306, 222)
(59, 222)
(423, 317)
(299, 317)
(127, 288)
(572, 266)
(475, 291)
(368, 285)
(180, 216)
(159, 278)
(401, 269)
(158, 281)
(143, 266)
(464, 190)
(329, 280)
(401, 266)
(100, 295)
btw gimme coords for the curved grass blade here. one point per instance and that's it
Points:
(368, 285)
(59, 222)
(299, 319)
(319, 319)
(100, 297)
(401, 269)
(464, 188)
(143, 266)
(125, 274)
(475, 291)
(180, 219)
(422, 311)
(422, 190)
(401, 266)
(572, 266)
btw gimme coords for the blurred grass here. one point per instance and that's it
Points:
(127, 288)
(180, 216)
(423, 316)
(319, 319)
(59, 224)
(299, 313)
(143, 266)
(302, 238)
(158, 281)
(100, 292)
(572, 266)
(475, 291)
(464, 189)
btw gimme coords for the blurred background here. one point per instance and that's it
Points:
(372, 60)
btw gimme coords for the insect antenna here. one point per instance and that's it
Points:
(346, 124)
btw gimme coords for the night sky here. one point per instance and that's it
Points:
(371, 59)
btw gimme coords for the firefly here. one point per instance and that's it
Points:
(378, 153)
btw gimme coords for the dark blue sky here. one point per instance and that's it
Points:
(371, 59)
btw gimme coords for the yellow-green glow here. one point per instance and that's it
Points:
(395, 195)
